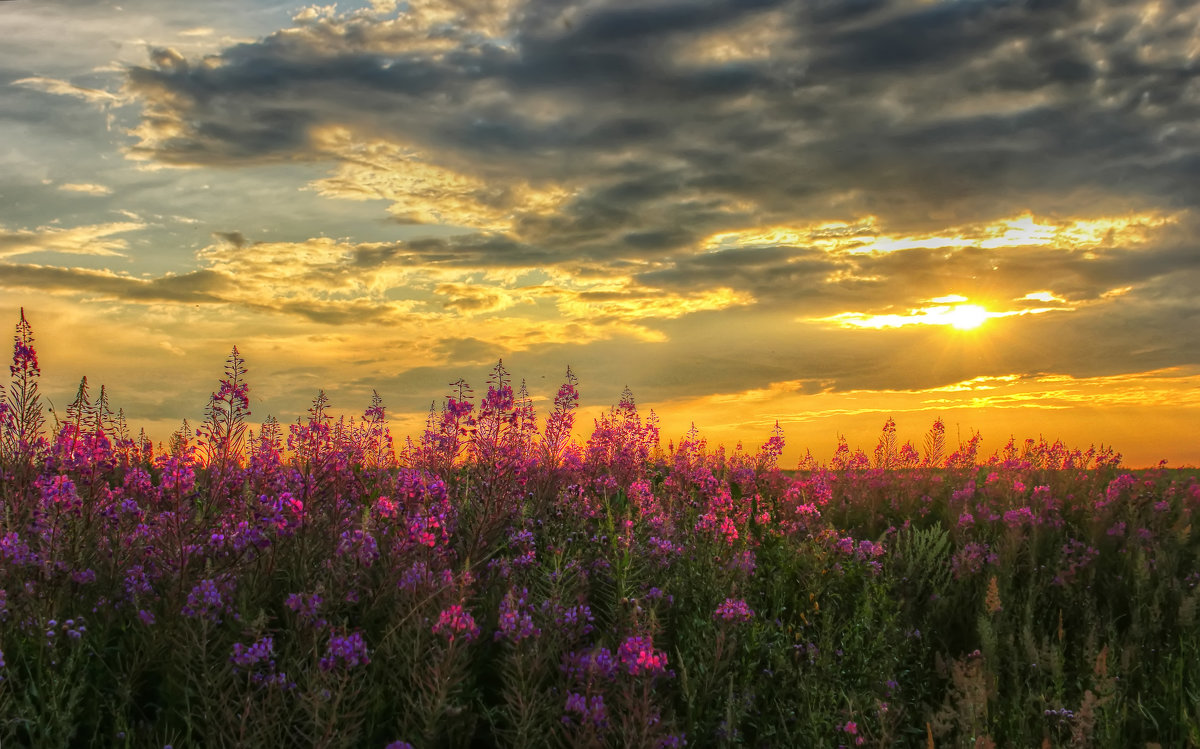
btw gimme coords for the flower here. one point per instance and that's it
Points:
(590, 710)
(516, 617)
(638, 656)
(208, 600)
(454, 621)
(733, 610)
(249, 656)
(346, 651)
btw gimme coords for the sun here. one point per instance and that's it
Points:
(967, 316)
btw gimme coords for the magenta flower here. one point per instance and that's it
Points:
(733, 610)
(456, 621)
(638, 656)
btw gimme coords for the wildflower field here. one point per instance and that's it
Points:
(503, 580)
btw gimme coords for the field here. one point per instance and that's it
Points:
(501, 580)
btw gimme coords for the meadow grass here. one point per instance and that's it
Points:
(495, 582)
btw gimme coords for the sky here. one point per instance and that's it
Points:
(821, 213)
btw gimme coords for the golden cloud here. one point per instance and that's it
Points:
(86, 187)
(423, 192)
(866, 235)
(93, 239)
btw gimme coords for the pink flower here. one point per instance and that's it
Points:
(734, 610)
(454, 621)
(638, 656)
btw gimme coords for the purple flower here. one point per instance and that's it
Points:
(733, 610)
(307, 607)
(137, 582)
(15, 551)
(516, 617)
(1019, 518)
(590, 710)
(246, 657)
(584, 668)
(208, 600)
(347, 652)
(361, 545)
(745, 562)
(419, 576)
(971, 559)
(574, 622)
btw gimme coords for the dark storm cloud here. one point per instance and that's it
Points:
(897, 109)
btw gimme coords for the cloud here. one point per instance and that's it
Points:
(513, 88)
(94, 239)
(87, 187)
(603, 137)
(65, 88)
(196, 287)
(234, 238)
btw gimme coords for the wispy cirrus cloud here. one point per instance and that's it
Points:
(88, 188)
(95, 239)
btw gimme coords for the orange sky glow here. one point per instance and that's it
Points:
(817, 214)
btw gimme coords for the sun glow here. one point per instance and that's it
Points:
(958, 316)
(967, 316)
(869, 235)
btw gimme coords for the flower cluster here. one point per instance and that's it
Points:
(345, 652)
(307, 607)
(588, 710)
(248, 656)
(972, 558)
(587, 667)
(516, 617)
(638, 657)
(454, 622)
(733, 610)
(850, 728)
(209, 600)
